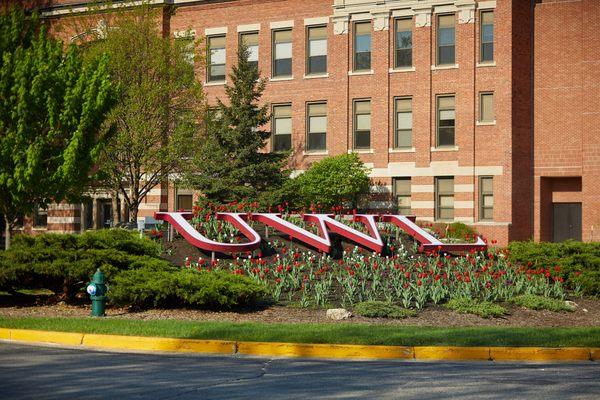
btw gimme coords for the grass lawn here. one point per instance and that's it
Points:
(342, 333)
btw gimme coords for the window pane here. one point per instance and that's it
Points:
(362, 107)
(446, 37)
(317, 141)
(404, 105)
(317, 109)
(217, 73)
(402, 186)
(488, 201)
(362, 139)
(363, 43)
(362, 28)
(487, 33)
(404, 121)
(404, 24)
(446, 21)
(487, 17)
(216, 41)
(363, 122)
(253, 56)
(217, 56)
(446, 55)
(404, 58)
(282, 142)
(488, 213)
(363, 61)
(250, 39)
(487, 107)
(317, 124)
(447, 115)
(317, 64)
(446, 213)
(447, 201)
(319, 32)
(318, 47)
(487, 52)
(184, 202)
(283, 126)
(446, 102)
(404, 138)
(445, 185)
(282, 36)
(283, 67)
(487, 185)
(283, 50)
(282, 111)
(446, 137)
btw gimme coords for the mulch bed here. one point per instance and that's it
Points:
(587, 314)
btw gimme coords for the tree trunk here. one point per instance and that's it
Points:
(6, 232)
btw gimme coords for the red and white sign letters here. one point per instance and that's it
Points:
(324, 222)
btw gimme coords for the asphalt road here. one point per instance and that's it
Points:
(33, 372)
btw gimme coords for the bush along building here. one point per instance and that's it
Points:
(483, 112)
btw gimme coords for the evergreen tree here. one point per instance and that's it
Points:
(51, 107)
(232, 164)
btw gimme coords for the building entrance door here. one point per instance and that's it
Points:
(566, 221)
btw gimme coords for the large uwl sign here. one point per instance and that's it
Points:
(325, 224)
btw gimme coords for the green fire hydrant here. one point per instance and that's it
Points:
(97, 290)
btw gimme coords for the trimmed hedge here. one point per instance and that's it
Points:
(152, 287)
(64, 263)
(579, 262)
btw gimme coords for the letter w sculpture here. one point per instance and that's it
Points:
(324, 223)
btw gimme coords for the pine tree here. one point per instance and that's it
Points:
(232, 164)
(51, 107)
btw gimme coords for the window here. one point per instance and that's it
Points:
(282, 128)
(444, 198)
(486, 198)
(316, 62)
(486, 107)
(487, 36)
(445, 121)
(184, 202)
(446, 40)
(282, 53)
(40, 218)
(250, 39)
(404, 122)
(186, 46)
(403, 43)
(362, 46)
(362, 124)
(317, 127)
(401, 187)
(216, 58)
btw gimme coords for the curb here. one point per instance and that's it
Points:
(278, 349)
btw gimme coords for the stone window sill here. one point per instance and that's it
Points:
(315, 152)
(479, 123)
(444, 148)
(361, 151)
(281, 79)
(486, 64)
(316, 76)
(357, 73)
(402, 150)
(215, 83)
(402, 69)
(442, 67)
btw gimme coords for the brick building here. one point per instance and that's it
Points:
(484, 112)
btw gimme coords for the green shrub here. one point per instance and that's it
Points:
(579, 262)
(484, 309)
(334, 180)
(153, 286)
(535, 302)
(63, 263)
(381, 309)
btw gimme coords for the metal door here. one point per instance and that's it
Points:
(566, 221)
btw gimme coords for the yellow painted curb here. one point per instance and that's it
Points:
(539, 354)
(324, 350)
(595, 354)
(158, 344)
(68, 338)
(4, 334)
(451, 353)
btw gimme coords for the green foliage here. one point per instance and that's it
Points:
(63, 263)
(334, 180)
(53, 104)
(579, 262)
(231, 162)
(381, 309)
(176, 287)
(458, 230)
(154, 128)
(485, 309)
(540, 303)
